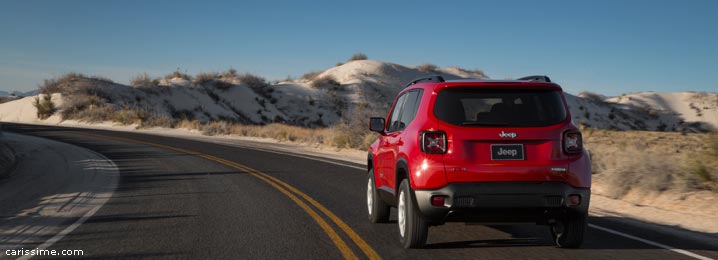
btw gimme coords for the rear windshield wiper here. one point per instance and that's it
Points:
(475, 123)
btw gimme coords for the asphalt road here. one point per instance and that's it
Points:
(185, 199)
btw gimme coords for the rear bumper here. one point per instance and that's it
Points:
(501, 202)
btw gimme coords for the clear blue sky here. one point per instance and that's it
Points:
(609, 47)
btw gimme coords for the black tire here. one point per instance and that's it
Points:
(415, 228)
(377, 209)
(568, 232)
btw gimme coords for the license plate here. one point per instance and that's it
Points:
(507, 152)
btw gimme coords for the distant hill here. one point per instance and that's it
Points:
(351, 91)
(18, 93)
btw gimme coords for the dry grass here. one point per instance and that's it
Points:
(703, 166)
(341, 136)
(93, 114)
(623, 161)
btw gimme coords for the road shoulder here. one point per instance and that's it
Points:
(52, 188)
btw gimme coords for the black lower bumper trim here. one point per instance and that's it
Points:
(500, 201)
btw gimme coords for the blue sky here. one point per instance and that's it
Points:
(608, 47)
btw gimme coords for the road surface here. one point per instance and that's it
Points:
(186, 199)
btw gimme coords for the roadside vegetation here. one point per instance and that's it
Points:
(45, 106)
(89, 99)
(652, 162)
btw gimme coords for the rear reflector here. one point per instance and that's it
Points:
(574, 200)
(438, 201)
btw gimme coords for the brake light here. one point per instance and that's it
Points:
(433, 142)
(572, 141)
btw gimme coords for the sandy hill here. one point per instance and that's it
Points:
(353, 90)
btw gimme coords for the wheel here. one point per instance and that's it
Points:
(412, 227)
(568, 233)
(378, 210)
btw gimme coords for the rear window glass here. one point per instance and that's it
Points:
(499, 107)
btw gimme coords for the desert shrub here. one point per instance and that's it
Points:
(75, 104)
(189, 124)
(339, 64)
(204, 78)
(143, 81)
(253, 81)
(148, 120)
(217, 128)
(94, 114)
(130, 116)
(326, 81)
(702, 168)
(222, 85)
(74, 83)
(357, 56)
(427, 67)
(178, 74)
(230, 73)
(351, 131)
(591, 97)
(45, 106)
(637, 169)
(309, 76)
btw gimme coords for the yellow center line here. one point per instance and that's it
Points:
(285, 188)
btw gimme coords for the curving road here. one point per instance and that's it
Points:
(186, 199)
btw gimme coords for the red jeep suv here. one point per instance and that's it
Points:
(479, 151)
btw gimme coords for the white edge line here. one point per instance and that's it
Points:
(77, 223)
(646, 241)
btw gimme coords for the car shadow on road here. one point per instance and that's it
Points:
(458, 235)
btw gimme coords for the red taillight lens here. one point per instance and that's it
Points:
(438, 201)
(572, 142)
(433, 142)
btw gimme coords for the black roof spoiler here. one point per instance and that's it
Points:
(432, 78)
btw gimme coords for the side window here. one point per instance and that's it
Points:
(394, 122)
(409, 112)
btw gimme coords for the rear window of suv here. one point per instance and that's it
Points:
(499, 107)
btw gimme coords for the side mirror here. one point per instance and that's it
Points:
(376, 124)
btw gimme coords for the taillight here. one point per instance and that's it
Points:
(433, 142)
(572, 141)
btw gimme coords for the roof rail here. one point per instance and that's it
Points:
(431, 78)
(536, 78)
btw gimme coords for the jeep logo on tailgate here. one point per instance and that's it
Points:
(507, 135)
(507, 152)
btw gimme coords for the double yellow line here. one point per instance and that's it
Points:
(290, 192)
